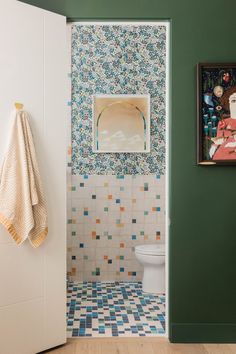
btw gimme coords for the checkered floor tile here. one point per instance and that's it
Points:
(107, 309)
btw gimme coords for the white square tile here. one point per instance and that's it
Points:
(127, 181)
(137, 193)
(126, 193)
(126, 218)
(137, 180)
(126, 229)
(113, 217)
(127, 204)
(138, 216)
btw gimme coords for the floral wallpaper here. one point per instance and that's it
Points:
(117, 59)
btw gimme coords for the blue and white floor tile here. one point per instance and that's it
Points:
(119, 309)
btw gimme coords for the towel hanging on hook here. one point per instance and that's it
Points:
(22, 204)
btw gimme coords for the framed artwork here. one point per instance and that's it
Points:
(216, 114)
(121, 123)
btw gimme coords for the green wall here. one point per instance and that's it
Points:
(203, 199)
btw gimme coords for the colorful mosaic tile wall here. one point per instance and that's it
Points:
(110, 215)
(117, 59)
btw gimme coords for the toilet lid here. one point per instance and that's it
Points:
(154, 249)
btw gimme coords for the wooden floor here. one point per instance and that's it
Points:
(139, 346)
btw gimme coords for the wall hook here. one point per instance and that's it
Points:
(19, 106)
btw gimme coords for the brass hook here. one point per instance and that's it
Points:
(19, 106)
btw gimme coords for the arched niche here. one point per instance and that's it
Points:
(121, 123)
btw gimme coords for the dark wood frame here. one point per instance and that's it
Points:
(200, 160)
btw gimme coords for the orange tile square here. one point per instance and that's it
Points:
(122, 245)
(109, 196)
(98, 221)
(153, 209)
(93, 233)
(85, 209)
(122, 209)
(141, 189)
(129, 273)
(117, 257)
(105, 257)
(158, 237)
(145, 237)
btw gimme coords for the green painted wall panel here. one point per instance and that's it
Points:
(203, 212)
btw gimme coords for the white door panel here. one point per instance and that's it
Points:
(14, 270)
(32, 281)
(21, 327)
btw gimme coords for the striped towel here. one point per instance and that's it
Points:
(22, 205)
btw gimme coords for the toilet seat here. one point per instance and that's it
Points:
(152, 250)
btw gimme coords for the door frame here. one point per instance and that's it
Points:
(168, 24)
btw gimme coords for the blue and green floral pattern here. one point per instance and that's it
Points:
(117, 59)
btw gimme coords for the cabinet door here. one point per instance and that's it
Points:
(33, 281)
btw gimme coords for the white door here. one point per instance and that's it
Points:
(32, 281)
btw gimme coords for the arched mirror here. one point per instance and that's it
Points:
(121, 123)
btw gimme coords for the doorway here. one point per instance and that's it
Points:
(116, 201)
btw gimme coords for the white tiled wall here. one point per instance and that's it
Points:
(107, 217)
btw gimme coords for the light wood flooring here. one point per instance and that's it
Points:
(138, 346)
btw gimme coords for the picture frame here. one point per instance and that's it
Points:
(121, 123)
(216, 114)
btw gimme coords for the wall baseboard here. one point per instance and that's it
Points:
(202, 333)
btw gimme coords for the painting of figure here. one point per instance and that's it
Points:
(217, 114)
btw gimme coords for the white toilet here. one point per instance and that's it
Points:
(152, 257)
